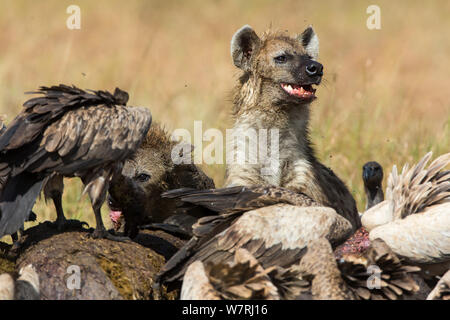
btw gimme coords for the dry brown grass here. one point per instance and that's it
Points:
(385, 96)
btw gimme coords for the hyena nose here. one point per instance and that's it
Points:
(314, 69)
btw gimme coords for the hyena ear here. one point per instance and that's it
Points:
(310, 42)
(243, 44)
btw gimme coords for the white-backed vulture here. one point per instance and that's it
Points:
(274, 224)
(67, 132)
(414, 220)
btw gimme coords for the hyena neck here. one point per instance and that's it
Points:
(254, 108)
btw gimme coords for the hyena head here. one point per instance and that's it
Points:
(136, 191)
(282, 69)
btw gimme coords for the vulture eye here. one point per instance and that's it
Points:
(143, 177)
(280, 59)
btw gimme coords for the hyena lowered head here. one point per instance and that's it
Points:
(135, 194)
(274, 93)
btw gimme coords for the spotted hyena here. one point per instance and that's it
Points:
(275, 92)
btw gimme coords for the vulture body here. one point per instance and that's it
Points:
(318, 276)
(66, 132)
(242, 278)
(273, 224)
(414, 220)
(375, 274)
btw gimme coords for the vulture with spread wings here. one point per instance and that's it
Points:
(273, 224)
(66, 132)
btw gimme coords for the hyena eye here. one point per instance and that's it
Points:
(280, 59)
(143, 177)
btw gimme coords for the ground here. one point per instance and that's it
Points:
(105, 269)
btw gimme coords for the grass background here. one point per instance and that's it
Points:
(385, 96)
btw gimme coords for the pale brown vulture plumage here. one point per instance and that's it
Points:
(273, 224)
(242, 278)
(375, 274)
(66, 132)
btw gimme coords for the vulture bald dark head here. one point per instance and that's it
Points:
(66, 132)
(372, 175)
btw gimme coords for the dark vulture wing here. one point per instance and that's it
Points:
(68, 131)
(17, 200)
(231, 203)
(274, 235)
(88, 137)
(238, 198)
(41, 111)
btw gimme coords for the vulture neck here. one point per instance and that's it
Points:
(374, 195)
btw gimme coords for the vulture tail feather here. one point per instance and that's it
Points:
(17, 200)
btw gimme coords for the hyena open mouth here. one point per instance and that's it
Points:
(305, 92)
(115, 214)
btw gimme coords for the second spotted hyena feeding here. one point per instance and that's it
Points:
(274, 92)
(135, 194)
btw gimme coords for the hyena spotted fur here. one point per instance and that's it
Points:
(135, 193)
(275, 91)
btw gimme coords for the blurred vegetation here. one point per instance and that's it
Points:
(385, 95)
